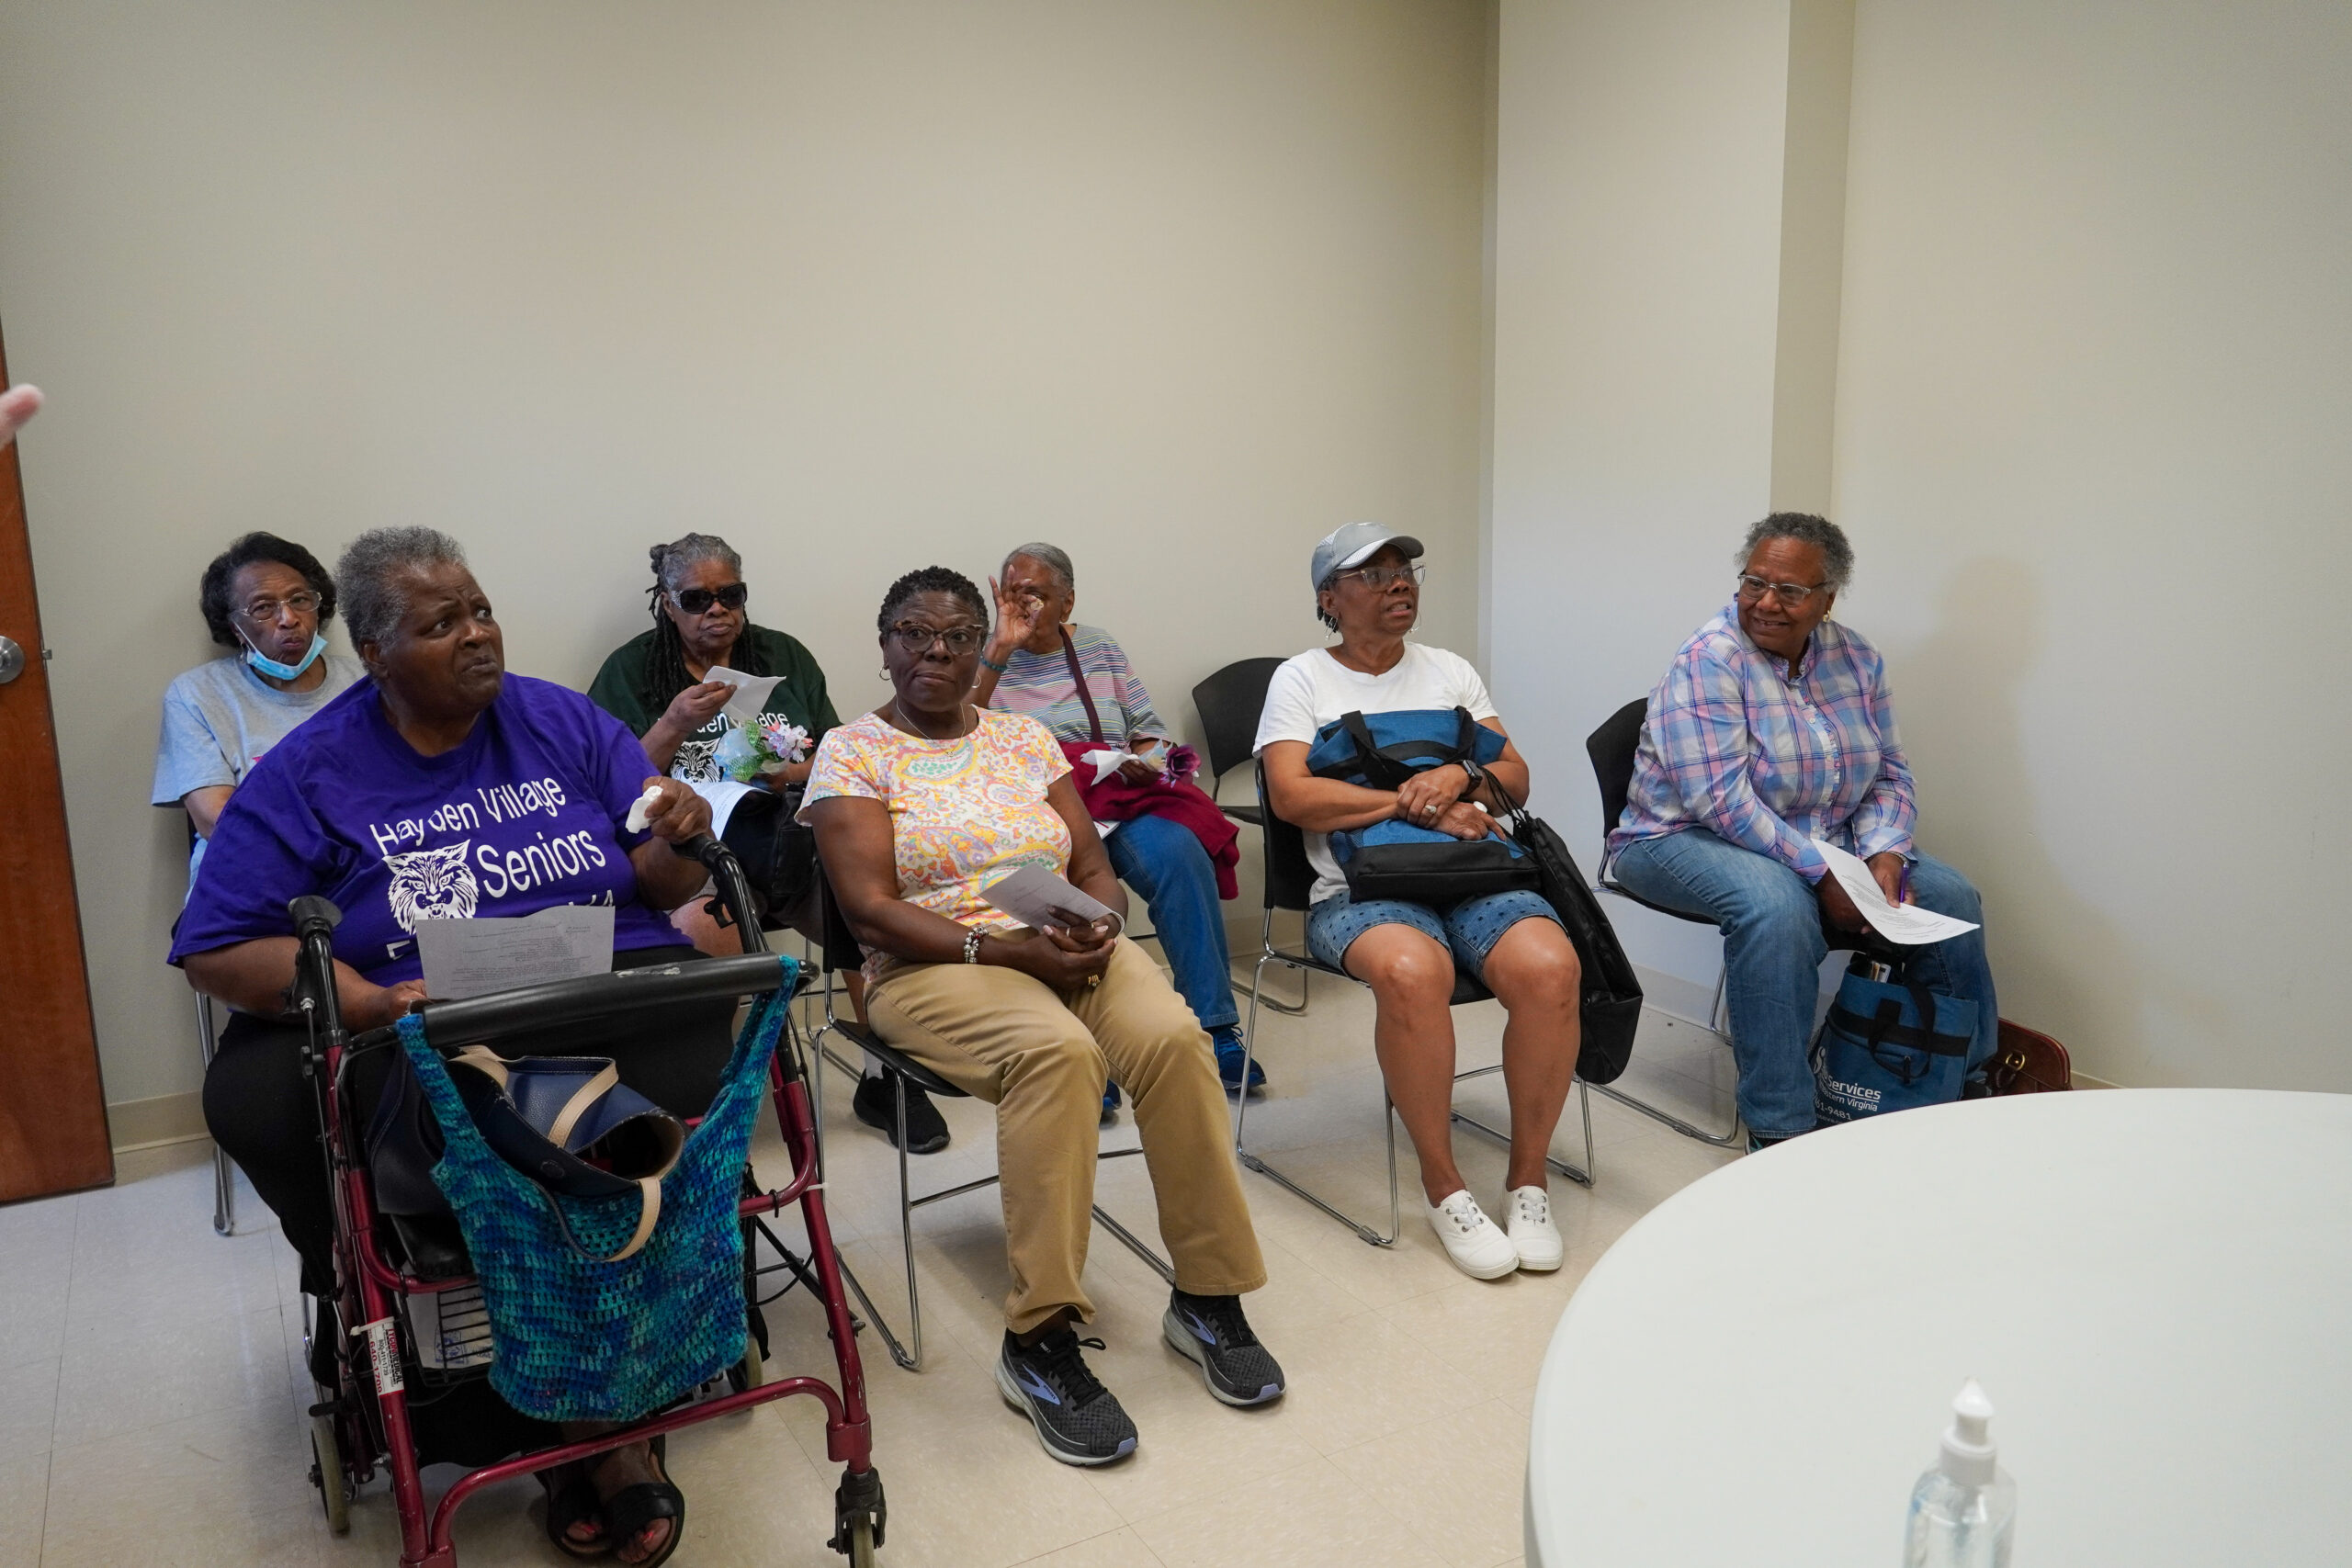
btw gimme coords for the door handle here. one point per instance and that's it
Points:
(12, 660)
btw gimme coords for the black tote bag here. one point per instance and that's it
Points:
(1613, 997)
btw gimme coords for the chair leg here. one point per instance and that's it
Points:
(224, 1173)
(1584, 1100)
(1249, 1046)
(1735, 1136)
(910, 1359)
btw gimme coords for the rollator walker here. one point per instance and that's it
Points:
(381, 1297)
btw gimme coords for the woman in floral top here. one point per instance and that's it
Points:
(919, 807)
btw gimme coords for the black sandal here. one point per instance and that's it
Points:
(630, 1510)
(572, 1500)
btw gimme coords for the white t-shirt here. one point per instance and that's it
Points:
(1310, 691)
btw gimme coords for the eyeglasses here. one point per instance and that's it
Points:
(1793, 595)
(262, 611)
(698, 601)
(960, 641)
(1380, 579)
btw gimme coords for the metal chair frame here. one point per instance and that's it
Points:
(1466, 989)
(224, 1172)
(1222, 759)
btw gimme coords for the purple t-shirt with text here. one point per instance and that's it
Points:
(528, 813)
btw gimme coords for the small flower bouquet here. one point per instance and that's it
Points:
(748, 750)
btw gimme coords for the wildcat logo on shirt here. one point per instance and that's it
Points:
(431, 885)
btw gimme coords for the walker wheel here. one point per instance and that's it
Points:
(326, 1475)
(751, 1372)
(861, 1543)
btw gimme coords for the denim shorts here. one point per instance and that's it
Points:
(1469, 929)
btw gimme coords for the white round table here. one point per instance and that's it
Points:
(2154, 1287)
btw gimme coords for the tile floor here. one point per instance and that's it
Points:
(151, 1385)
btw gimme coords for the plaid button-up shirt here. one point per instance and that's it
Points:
(1769, 762)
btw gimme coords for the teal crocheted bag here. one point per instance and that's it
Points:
(575, 1338)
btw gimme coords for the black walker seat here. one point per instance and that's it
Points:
(365, 1421)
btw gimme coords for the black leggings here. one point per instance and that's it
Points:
(260, 1109)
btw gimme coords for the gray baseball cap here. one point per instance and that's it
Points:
(1352, 544)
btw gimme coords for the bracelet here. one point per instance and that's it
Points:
(971, 945)
(990, 663)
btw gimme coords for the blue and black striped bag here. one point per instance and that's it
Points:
(583, 1329)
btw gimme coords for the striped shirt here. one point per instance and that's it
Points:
(1039, 686)
(1767, 762)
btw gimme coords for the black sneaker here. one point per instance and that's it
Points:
(877, 1104)
(1079, 1420)
(1212, 1331)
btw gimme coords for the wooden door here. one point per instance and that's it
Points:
(52, 1112)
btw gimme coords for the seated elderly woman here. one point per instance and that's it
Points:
(659, 684)
(269, 601)
(441, 786)
(1034, 665)
(1367, 589)
(1773, 727)
(919, 807)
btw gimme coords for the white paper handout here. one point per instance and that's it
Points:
(1905, 923)
(474, 957)
(1109, 760)
(749, 698)
(1032, 895)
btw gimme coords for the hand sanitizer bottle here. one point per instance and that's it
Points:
(1962, 1511)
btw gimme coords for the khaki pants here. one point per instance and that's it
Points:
(1040, 1057)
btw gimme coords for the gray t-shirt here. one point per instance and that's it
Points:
(219, 718)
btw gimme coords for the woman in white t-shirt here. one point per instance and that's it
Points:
(1367, 589)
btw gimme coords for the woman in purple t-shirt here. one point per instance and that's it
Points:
(442, 786)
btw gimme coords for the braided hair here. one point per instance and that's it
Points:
(931, 579)
(665, 658)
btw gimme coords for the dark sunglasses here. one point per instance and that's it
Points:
(697, 601)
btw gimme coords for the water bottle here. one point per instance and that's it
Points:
(1965, 1509)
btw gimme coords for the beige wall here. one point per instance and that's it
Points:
(2094, 403)
(1637, 305)
(2094, 375)
(1178, 285)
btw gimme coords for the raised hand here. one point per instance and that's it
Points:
(1016, 620)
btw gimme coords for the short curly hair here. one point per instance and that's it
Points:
(1836, 553)
(931, 579)
(212, 592)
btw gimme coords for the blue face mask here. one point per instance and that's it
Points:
(271, 666)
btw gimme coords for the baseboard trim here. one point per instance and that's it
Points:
(151, 1123)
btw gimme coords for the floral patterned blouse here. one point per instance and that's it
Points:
(963, 812)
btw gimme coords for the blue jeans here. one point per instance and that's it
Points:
(1468, 928)
(1162, 861)
(1772, 952)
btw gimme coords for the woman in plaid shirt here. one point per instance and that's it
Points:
(1773, 727)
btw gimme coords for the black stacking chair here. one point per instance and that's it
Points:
(839, 951)
(1229, 702)
(1611, 748)
(1289, 879)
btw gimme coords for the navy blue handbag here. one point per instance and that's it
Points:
(1889, 1045)
(1398, 860)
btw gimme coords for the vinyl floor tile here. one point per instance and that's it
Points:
(1453, 1482)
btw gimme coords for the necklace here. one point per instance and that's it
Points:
(904, 718)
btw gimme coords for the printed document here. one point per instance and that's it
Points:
(749, 698)
(1905, 923)
(476, 956)
(1032, 895)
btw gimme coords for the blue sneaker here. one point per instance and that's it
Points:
(1077, 1420)
(1227, 1042)
(1110, 1103)
(1212, 1331)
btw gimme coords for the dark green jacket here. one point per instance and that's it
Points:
(622, 690)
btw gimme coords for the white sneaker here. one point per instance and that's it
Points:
(1532, 1234)
(1476, 1245)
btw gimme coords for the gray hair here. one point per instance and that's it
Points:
(670, 560)
(1836, 554)
(367, 578)
(1053, 555)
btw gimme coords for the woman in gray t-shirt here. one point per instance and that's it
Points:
(269, 599)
